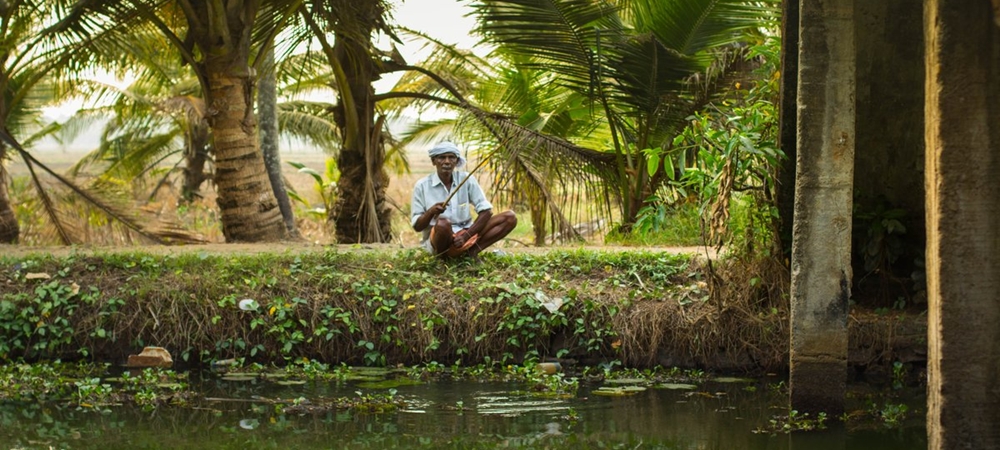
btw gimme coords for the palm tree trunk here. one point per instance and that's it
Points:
(195, 156)
(539, 209)
(248, 209)
(361, 212)
(267, 105)
(9, 230)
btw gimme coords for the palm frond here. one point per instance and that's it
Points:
(271, 19)
(426, 132)
(459, 68)
(693, 26)
(564, 37)
(154, 232)
(303, 72)
(311, 122)
(729, 66)
(74, 126)
(48, 204)
(648, 75)
(135, 154)
(523, 159)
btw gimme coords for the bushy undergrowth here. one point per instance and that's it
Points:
(378, 308)
(661, 224)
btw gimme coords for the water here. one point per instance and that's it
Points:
(450, 414)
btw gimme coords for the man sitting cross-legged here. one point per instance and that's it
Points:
(448, 229)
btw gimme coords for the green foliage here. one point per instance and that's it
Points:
(891, 276)
(43, 382)
(92, 392)
(325, 185)
(89, 386)
(725, 162)
(794, 421)
(371, 309)
(879, 236)
(892, 415)
(660, 223)
(38, 322)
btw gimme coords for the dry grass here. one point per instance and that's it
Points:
(640, 308)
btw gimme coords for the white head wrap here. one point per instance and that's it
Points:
(445, 148)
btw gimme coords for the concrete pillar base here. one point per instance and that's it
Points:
(818, 386)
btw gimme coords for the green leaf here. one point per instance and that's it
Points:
(653, 163)
(668, 166)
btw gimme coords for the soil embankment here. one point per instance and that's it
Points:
(383, 305)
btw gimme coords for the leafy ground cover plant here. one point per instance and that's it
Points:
(362, 308)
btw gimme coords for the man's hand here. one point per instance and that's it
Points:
(425, 219)
(459, 239)
(436, 209)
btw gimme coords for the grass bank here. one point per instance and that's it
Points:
(383, 308)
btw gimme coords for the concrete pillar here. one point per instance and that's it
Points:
(962, 135)
(821, 234)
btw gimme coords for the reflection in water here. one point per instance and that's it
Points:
(442, 415)
(833, 439)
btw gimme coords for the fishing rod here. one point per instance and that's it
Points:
(482, 162)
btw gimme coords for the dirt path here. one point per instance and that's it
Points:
(16, 251)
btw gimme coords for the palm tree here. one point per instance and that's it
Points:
(22, 77)
(37, 66)
(641, 68)
(362, 212)
(164, 101)
(267, 107)
(27, 83)
(217, 42)
(537, 103)
(159, 116)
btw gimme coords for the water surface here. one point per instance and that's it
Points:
(455, 415)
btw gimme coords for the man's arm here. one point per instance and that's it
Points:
(481, 220)
(425, 219)
(421, 214)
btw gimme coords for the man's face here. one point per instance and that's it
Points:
(445, 164)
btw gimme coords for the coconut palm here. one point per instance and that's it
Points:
(362, 212)
(217, 41)
(160, 116)
(19, 74)
(641, 68)
(156, 118)
(25, 87)
(30, 78)
(35, 73)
